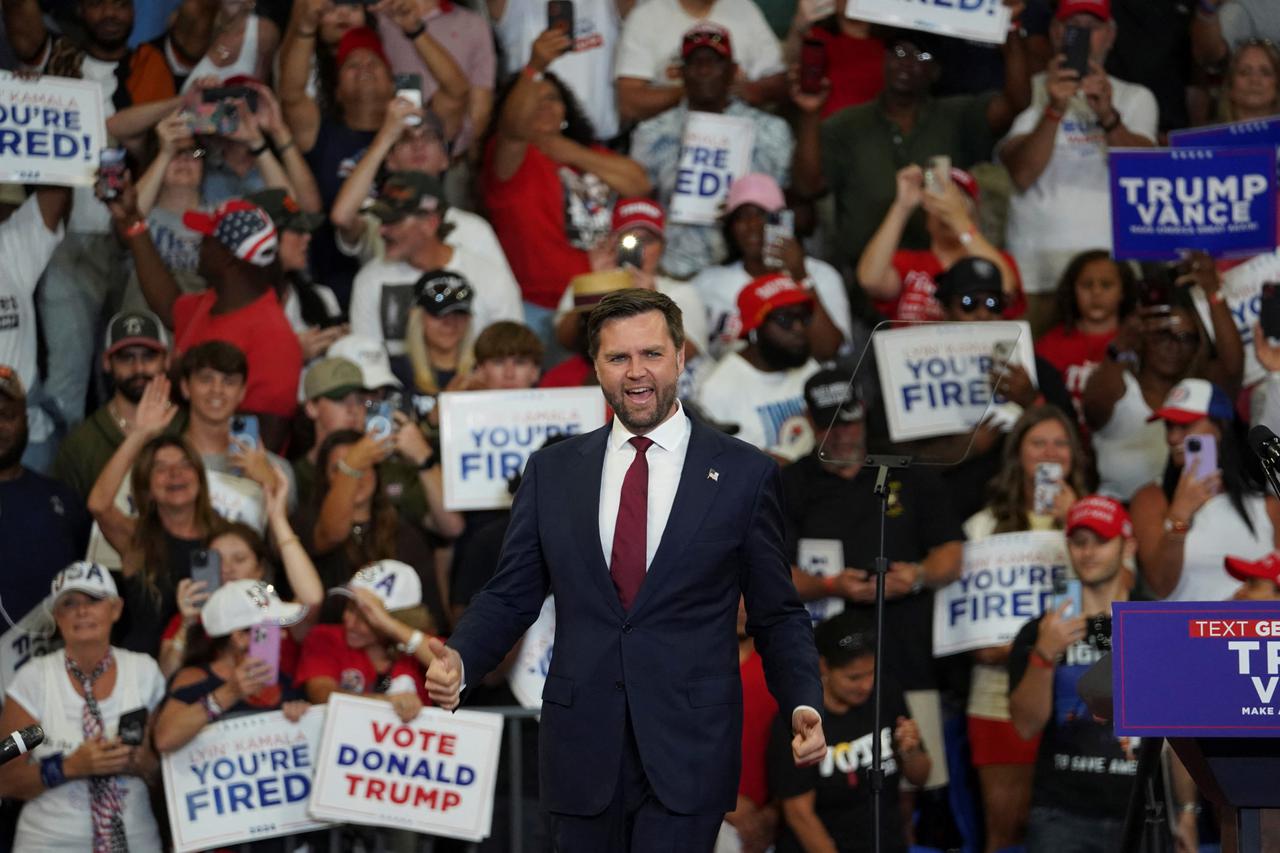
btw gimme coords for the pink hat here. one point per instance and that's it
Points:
(758, 189)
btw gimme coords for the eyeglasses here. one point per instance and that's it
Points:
(1182, 339)
(971, 302)
(920, 56)
(786, 318)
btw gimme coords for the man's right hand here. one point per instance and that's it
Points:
(98, 757)
(444, 675)
(1061, 83)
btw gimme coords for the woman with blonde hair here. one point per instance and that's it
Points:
(1251, 87)
(440, 333)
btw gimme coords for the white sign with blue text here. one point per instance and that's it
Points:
(487, 436)
(935, 376)
(979, 20)
(1005, 581)
(714, 150)
(1242, 290)
(51, 130)
(528, 675)
(243, 779)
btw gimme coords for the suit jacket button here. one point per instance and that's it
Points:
(626, 628)
(618, 685)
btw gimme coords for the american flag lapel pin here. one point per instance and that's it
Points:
(713, 475)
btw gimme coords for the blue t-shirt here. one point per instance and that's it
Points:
(44, 527)
(336, 152)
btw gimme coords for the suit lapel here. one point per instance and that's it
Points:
(694, 496)
(584, 514)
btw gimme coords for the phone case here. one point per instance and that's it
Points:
(1071, 591)
(1048, 481)
(244, 430)
(1200, 453)
(132, 728)
(264, 645)
(378, 422)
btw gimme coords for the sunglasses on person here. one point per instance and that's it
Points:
(907, 52)
(971, 302)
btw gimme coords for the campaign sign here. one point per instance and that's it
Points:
(714, 150)
(1220, 200)
(934, 376)
(1260, 133)
(1196, 669)
(51, 130)
(242, 779)
(528, 675)
(433, 775)
(487, 436)
(823, 558)
(1006, 580)
(979, 20)
(33, 635)
(1242, 290)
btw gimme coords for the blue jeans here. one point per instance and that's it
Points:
(1051, 830)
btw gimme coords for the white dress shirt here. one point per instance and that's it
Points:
(666, 461)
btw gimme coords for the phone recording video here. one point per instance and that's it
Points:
(813, 66)
(112, 167)
(1076, 47)
(560, 17)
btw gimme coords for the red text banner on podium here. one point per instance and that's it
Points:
(1196, 669)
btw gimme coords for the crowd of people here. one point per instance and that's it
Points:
(220, 369)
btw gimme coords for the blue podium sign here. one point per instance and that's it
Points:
(1196, 669)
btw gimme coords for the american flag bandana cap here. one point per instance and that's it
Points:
(242, 227)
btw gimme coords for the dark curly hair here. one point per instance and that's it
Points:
(1069, 307)
(578, 126)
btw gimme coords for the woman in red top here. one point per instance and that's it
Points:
(548, 185)
(1095, 294)
(855, 57)
(902, 282)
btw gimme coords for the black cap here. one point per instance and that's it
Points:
(441, 292)
(969, 275)
(130, 328)
(406, 193)
(844, 637)
(284, 211)
(833, 398)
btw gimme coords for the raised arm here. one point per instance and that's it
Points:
(153, 415)
(297, 50)
(521, 102)
(300, 180)
(876, 273)
(1016, 94)
(409, 16)
(1106, 383)
(304, 580)
(172, 131)
(345, 213)
(337, 511)
(158, 286)
(623, 175)
(1027, 155)
(807, 179)
(1227, 367)
(1208, 46)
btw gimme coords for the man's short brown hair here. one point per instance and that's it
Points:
(508, 339)
(223, 357)
(631, 303)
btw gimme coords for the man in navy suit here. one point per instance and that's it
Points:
(646, 531)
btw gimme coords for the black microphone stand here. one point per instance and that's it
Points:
(881, 568)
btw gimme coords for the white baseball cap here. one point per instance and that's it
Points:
(370, 355)
(244, 603)
(92, 579)
(395, 583)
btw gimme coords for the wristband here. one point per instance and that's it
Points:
(1053, 114)
(306, 34)
(1215, 298)
(280, 149)
(1189, 808)
(52, 773)
(415, 641)
(1113, 124)
(532, 73)
(428, 463)
(260, 150)
(1179, 528)
(140, 226)
(829, 585)
(346, 469)
(966, 237)
(211, 707)
(1038, 659)
(413, 36)
(280, 546)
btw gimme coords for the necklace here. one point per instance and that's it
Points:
(121, 422)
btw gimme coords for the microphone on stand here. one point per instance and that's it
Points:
(20, 743)
(1266, 444)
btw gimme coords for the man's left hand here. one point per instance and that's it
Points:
(809, 744)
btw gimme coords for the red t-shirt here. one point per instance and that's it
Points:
(289, 648)
(758, 710)
(573, 372)
(261, 331)
(325, 654)
(919, 270)
(855, 68)
(528, 214)
(1075, 354)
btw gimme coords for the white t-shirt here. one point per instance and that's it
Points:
(586, 69)
(652, 34)
(383, 292)
(1130, 451)
(88, 215)
(26, 246)
(59, 819)
(1217, 531)
(768, 408)
(682, 294)
(469, 230)
(1069, 205)
(719, 287)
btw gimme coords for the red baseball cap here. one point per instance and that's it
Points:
(1193, 399)
(1100, 9)
(709, 35)
(1267, 569)
(1102, 515)
(631, 213)
(767, 294)
(356, 38)
(966, 182)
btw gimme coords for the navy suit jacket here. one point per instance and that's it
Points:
(673, 658)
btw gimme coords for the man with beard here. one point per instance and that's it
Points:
(710, 74)
(640, 739)
(43, 525)
(137, 349)
(88, 270)
(761, 387)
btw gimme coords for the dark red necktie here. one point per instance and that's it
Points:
(627, 562)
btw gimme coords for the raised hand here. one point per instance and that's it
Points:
(154, 412)
(808, 744)
(906, 735)
(1059, 632)
(191, 597)
(444, 675)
